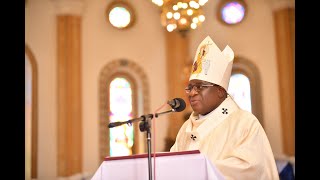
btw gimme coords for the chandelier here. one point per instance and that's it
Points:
(181, 15)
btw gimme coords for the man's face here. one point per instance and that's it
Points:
(206, 99)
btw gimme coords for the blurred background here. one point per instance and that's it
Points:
(92, 62)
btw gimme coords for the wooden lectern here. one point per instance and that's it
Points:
(185, 165)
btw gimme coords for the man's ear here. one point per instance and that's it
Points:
(222, 92)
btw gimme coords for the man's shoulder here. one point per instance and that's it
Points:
(188, 121)
(243, 116)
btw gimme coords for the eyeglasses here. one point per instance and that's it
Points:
(197, 87)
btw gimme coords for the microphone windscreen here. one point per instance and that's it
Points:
(182, 105)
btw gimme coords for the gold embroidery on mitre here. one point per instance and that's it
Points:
(197, 65)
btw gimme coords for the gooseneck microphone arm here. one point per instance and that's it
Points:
(177, 105)
(141, 118)
(165, 112)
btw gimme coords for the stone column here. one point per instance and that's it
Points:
(284, 23)
(69, 157)
(177, 56)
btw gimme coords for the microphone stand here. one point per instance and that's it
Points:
(145, 126)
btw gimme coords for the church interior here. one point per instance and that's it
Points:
(92, 62)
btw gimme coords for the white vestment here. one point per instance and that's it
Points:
(233, 140)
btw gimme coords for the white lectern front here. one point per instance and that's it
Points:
(186, 165)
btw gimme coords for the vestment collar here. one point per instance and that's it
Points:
(211, 120)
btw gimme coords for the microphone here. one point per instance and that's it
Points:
(178, 104)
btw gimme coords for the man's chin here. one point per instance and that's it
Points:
(196, 109)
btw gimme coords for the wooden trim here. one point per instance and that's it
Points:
(34, 133)
(284, 31)
(69, 96)
(158, 154)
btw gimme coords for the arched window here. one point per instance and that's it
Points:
(239, 89)
(30, 115)
(124, 95)
(120, 103)
(244, 87)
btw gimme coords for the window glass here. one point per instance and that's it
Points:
(239, 89)
(119, 17)
(232, 11)
(121, 137)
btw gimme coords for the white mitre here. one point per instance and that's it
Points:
(212, 65)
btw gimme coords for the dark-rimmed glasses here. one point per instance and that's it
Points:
(197, 87)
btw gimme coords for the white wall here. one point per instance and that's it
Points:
(40, 37)
(144, 44)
